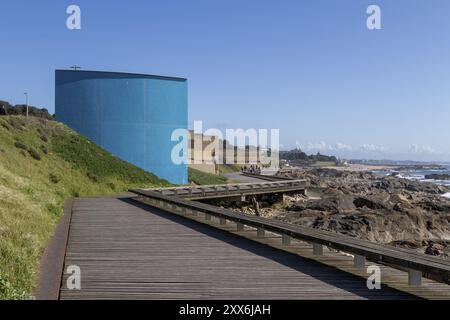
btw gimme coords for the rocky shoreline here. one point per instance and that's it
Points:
(378, 208)
(438, 176)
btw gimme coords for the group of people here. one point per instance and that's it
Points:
(254, 169)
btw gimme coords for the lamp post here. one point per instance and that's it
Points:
(26, 99)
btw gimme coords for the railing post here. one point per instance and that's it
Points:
(207, 217)
(286, 240)
(359, 261)
(239, 226)
(317, 249)
(223, 221)
(414, 277)
(260, 232)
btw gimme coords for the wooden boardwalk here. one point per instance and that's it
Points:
(131, 251)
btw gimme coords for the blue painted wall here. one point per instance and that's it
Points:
(130, 115)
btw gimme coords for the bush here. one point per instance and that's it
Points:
(93, 177)
(6, 126)
(44, 149)
(44, 138)
(75, 194)
(34, 154)
(54, 178)
(17, 123)
(43, 135)
(20, 145)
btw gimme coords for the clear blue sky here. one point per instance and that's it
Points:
(308, 67)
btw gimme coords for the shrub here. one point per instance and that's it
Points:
(6, 126)
(34, 154)
(54, 178)
(93, 177)
(44, 149)
(43, 137)
(20, 145)
(17, 123)
(75, 194)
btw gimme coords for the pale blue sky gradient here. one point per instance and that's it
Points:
(310, 68)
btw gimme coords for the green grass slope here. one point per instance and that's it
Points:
(201, 178)
(41, 164)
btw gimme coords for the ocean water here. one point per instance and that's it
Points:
(419, 175)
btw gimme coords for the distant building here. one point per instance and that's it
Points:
(204, 156)
(130, 115)
(200, 158)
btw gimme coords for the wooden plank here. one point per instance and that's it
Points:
(52, 262)
(432, 267)
(394, 278)
(127, 250)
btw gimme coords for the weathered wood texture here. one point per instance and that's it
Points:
(131, 251)
(265, 177)
(232, 190)
(52, 262)
(431, 267)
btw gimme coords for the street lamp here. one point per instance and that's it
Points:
(26, 99)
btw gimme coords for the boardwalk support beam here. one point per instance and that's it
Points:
(286, 240)
(359, 261)
(414, 277)
(317, 249)
(260, 232)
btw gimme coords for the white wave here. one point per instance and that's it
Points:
(447, 195)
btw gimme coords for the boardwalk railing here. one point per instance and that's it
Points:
(234, 190)
(416, 264)
(266, 177)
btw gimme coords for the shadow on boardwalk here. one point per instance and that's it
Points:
(326, 274)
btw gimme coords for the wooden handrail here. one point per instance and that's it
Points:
(430, 267)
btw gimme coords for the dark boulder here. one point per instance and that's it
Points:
(371, 203)
(438, 176)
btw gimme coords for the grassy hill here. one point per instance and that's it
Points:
(202, 178)
(42, 163)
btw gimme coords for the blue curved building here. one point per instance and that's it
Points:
(130, 115)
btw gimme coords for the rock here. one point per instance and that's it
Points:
(430, 250)
(438, 176)
(361, 202)
(382, 209)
